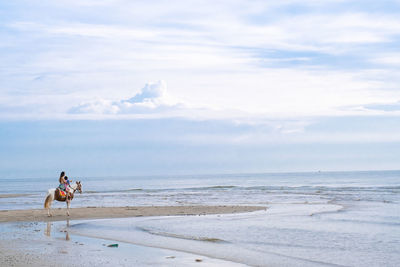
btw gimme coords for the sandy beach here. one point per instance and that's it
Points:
(13, 195)
(59, 214)
(301, 219)
(31, 238)
(50, 244)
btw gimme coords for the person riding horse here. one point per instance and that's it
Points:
(63, 188)
(56, 193)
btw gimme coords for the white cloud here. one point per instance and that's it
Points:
(98, 106)
(328, 33)
(151, 98)
(387, 107)
(255, 56)
(390, 59)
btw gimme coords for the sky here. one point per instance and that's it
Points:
(123, 87)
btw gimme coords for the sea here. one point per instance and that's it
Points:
(311, 218)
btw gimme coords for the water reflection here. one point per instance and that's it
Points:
(47, 231)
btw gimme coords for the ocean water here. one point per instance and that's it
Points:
(313, 219)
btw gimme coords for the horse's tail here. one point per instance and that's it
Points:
(47, 202)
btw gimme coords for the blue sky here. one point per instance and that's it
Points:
(133, 87)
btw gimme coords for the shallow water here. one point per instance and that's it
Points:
(52, 244)
(337, 218)
(284, 235)
(254, 189)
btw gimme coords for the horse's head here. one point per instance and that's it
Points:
(79, 186)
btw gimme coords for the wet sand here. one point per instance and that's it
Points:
(31, 238)
(59, 214)
(49, 244)
(13, 195)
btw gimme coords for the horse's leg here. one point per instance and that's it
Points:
(52, 197)
(48, 201)
(49, 207)
(68, 202)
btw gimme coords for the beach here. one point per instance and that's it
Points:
(29, 238)
(289, 219)
(117, 212)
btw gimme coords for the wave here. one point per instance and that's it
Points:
(213, 187)
(321, 189)
(116, 191)
(156, 190)
(300, 189)
(187, 237)
(359, 221)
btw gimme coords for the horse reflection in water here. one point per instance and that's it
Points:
(47, 231)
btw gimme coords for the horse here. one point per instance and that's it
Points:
(55, 194)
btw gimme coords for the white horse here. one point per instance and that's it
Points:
(54, 194)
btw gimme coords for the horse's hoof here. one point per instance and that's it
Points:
(49, 215)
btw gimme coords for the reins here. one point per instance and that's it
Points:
(75, 188)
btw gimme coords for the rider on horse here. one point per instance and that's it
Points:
(64, 192)
(64, 185)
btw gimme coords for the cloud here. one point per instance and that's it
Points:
(328, 33)
(384, 106)
(261, 57)
(153, 94)
(391, 59)
(153, 97)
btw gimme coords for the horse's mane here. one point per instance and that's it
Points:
(73, 185)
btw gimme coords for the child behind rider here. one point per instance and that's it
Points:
(64, 183)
